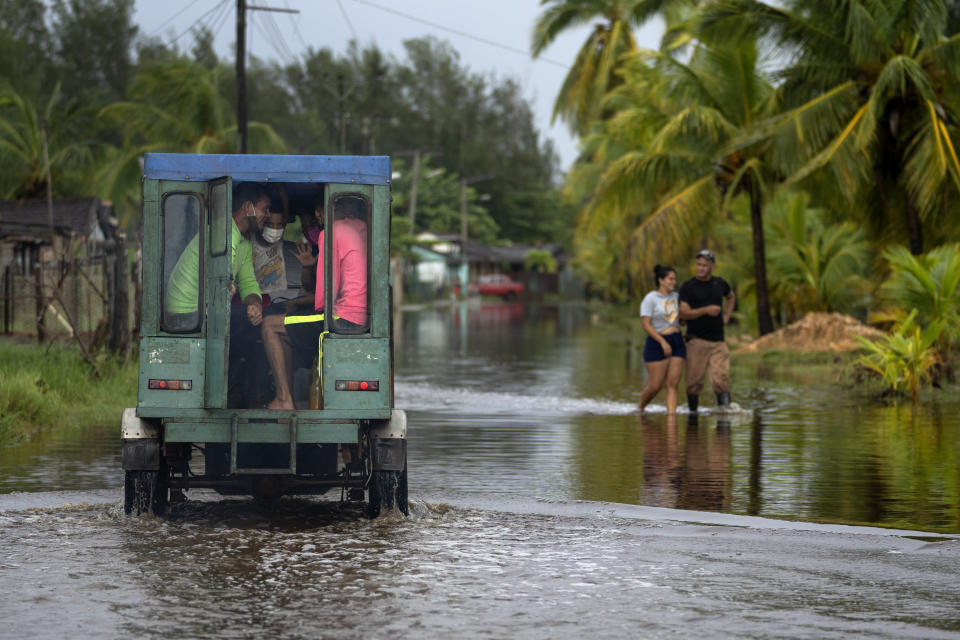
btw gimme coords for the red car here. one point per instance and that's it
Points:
(497, 284)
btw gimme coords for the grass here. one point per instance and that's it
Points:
(49, 386)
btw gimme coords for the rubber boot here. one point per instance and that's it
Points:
(693, 402)
(723, 399)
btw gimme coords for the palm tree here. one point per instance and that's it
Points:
(672, 189)
(22, 131)
(870, 102)
(593, 74)
(175, 106)
(815, 266)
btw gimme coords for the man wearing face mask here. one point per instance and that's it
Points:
(251, 205)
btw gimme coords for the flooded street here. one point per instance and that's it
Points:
(542, 506)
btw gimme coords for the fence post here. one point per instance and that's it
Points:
(110, 289)
(38, 287)
(7, 300)
(119, 296)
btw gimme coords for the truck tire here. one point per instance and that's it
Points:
(145, 492)
(387, 491)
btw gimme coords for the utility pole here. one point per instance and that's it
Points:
(241, 64)
(242, 74)
(464, 267)
(413, 188)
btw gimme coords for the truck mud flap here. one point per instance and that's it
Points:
(141, 455)
(388, 443)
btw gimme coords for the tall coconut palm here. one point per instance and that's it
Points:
(593, 73)
(603, 232)
(870, 92)
(674, 187)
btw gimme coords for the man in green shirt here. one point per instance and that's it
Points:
(251, 205)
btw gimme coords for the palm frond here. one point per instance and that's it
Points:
(945, 56)
(560, 17)
(850, 168)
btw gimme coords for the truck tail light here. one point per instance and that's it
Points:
(170, 385)
(357, 385)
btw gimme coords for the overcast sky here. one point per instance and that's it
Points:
(492, 37)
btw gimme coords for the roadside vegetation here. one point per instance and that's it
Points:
(44, 386)
(811, 144)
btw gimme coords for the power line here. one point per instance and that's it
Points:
(218, 21)
(198, 20)
(296, 27)
(211, 25)
(463, 34)
(273, 37)
(277, 35)
(347, 19)
(175, 15)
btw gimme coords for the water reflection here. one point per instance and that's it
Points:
(538, 401)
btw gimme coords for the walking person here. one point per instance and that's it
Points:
(706, 302)
(663, 351)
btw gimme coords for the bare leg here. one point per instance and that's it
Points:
(277, 345)
(656, 371)
(674, 373)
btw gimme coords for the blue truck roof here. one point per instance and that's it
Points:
(196, 167)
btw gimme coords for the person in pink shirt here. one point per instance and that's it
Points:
(302, 328)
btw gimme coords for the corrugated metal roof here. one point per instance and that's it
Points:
(71, 216)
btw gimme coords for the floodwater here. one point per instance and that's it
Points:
(542, 506)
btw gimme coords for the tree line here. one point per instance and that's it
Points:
(805, 141)
(81, 77)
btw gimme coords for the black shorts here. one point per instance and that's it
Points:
(305, 328)
(653, 352)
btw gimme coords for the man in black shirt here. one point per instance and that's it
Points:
(702, 306)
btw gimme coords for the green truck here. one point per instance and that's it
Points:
(188, 430)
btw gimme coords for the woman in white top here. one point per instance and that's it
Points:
(664, 350)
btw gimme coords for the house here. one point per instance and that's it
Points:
(60, 250)
(29, 229)
(483, 260)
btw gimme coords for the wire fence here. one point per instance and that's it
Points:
(85, 298)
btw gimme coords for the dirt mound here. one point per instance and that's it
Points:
(816, 332)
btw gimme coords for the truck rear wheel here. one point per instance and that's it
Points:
(387, 491)
(145, 492)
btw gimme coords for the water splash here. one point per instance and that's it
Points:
(423, 396)
(428, 397)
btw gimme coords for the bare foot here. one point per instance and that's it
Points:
(280, 404)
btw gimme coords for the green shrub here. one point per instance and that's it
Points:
(25, 401)
(906, 358)
(540, 260)
(929, 284)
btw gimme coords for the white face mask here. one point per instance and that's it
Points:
(272, 235)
